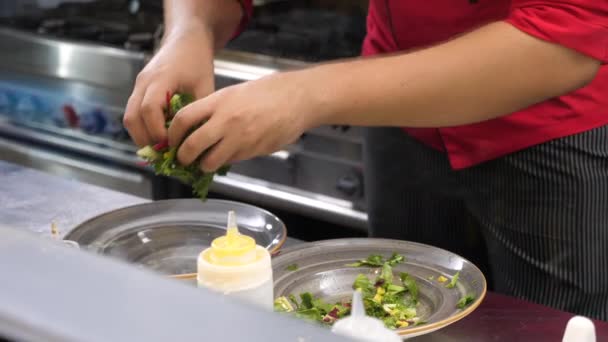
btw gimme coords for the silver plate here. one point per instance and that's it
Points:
(322, 271)
(167, 236)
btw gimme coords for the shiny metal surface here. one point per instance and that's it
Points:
(303, 202)
(87, 298)
(322, 271)
(167, 236)
(78, 168)
(31, 200)
(81, 62)
(289, 179)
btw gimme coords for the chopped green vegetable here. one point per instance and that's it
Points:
(312, 314)
(454, 281)
(292, 267)
(410, 284)
(396, 259)
(163, 158)
(376, 260)
(465, 301)
(307, 300)
(283, 305)
(180, 101)
(390, 299)
(372, 261)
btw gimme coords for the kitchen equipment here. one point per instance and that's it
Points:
(322, 271)
(167, 236)
(69, 70)
(52, 293)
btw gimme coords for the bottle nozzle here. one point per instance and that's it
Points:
(234, 247)
(357, 308)
(232, 230)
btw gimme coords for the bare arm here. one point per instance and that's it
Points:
(493, 71)
(218, 17)
(195, 29)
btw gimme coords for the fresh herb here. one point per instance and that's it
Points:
(282, 304)
(292, 267)
(163, 158)
(410, 284)
(390, 299)
(465, 301)
(376, 260)
(452, 283)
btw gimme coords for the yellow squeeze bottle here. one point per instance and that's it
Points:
(234, 265)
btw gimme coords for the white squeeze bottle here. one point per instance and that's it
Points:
(360, 327)
(234, 265)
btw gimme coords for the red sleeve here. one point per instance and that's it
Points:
(581, 25)
(247, 6)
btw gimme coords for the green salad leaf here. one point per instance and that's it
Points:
(376, 260)
(452, 283)
(465, 301)
(163, 158)
(410, 284)
(393, 300)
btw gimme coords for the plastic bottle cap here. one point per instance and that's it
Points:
(361, 327)
(579, 329)
(234, 248)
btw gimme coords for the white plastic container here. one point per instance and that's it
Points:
(234, 265)
(579, 329)
(360, 327)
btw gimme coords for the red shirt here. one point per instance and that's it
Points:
(582, 25)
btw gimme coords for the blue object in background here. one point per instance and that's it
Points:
(7, 102)
(93, 121)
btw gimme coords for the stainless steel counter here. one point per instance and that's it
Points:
(32, 200)
(54, 293)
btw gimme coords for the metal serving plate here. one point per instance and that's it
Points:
(167, 236)
(321, 271)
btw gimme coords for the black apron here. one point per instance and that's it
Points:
(536, 221)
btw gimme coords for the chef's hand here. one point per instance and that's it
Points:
(242, 121)
(184, 63)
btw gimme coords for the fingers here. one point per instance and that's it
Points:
(151, 111)
(199, 141)
(219, 155)
(133, 122)
(187, 118)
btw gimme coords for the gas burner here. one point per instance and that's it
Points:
(292, 32)
(113, 23)
(303, 34)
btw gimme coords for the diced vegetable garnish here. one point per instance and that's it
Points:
(388, 298)
(292, 267)
(442, 279)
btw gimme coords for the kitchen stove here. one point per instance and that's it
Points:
(66, 73)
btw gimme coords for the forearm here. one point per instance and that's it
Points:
(219, 18)
(491, 72)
